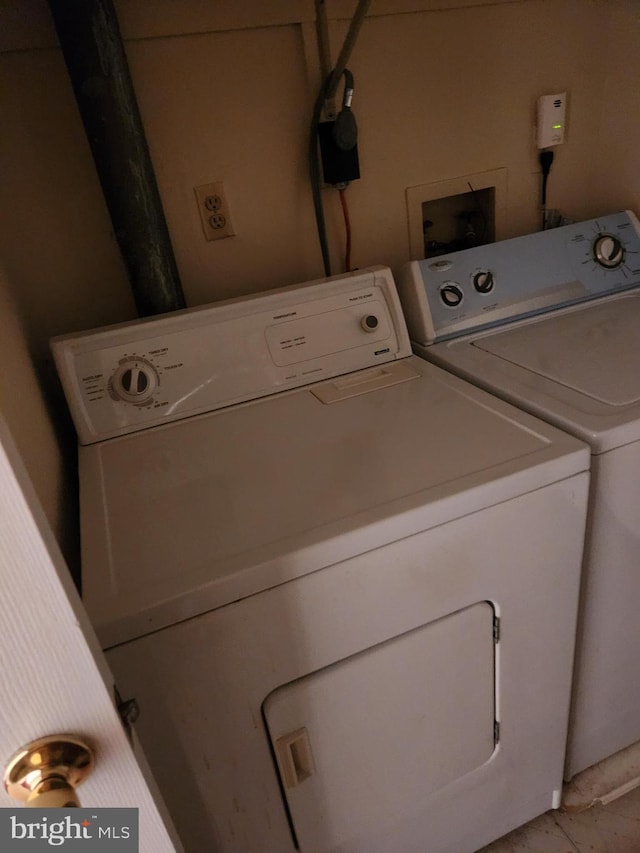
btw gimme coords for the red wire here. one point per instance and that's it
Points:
(347, 225)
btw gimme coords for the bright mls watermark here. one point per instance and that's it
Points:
(35, 830)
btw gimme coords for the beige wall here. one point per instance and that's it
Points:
(444, 88)
(25, 408)
(618, 151)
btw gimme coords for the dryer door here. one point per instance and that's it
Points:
(371, 736)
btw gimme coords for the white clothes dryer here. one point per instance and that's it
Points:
(341, 583)
(551, 322)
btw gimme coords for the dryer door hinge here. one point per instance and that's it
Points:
(128, 709)
(496, 629)
(496, 732)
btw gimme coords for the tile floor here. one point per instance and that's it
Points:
(614, 828)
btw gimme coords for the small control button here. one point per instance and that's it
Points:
(134, 381)
(451, 295)
(483, 281)
(608, 251)
(370, 323)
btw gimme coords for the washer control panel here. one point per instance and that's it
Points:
(453, 294)
(140, 374)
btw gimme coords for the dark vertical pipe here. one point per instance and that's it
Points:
(90, 39)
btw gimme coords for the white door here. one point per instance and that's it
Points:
(55, 679)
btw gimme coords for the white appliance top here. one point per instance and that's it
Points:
(575, 358)
(581, 350)
(196, 513)
(187, 517)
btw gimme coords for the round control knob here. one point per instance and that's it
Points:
(483, 281)
(451, 295)
(370, 323)
(608, 251)
(134, 381)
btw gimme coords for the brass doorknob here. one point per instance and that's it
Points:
(45, 773)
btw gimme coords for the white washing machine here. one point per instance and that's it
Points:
(551, 322)
(341, 583)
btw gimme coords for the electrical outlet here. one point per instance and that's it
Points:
(214, 211)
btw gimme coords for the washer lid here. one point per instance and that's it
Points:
(190, 516)
(594, 351)
(577, 368)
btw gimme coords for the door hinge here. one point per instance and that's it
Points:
(496, 732)
(128, 709)
(496, 629)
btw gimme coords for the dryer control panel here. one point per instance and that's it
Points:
(147, 372)
(451, 295)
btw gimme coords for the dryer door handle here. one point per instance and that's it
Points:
(295, 757)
